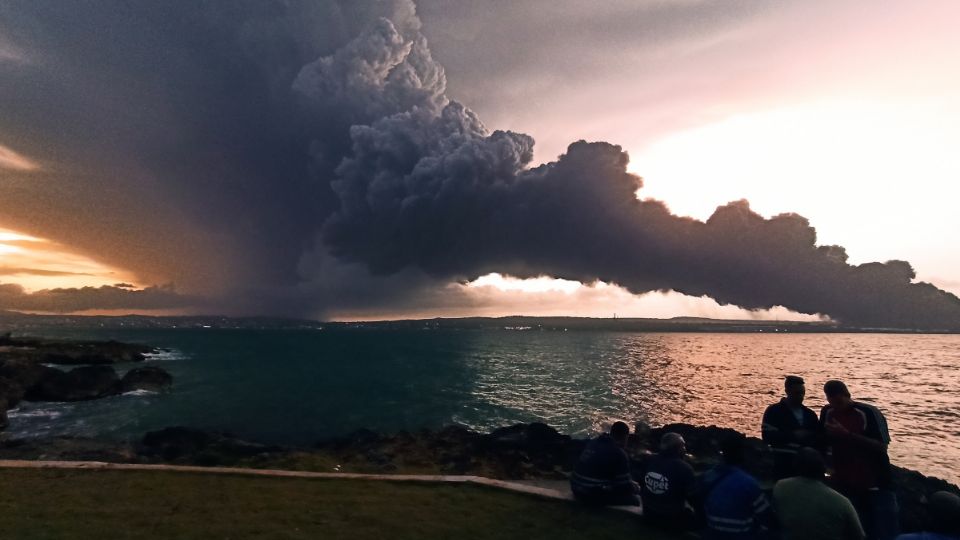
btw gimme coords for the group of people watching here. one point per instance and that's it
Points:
(856, 502)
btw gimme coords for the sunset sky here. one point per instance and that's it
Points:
(201, 159)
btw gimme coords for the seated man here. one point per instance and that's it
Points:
(668, 483)
(944, 508)
(602, 475)
(808, 509)
(733, 503)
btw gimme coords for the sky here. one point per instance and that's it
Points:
(385, 159)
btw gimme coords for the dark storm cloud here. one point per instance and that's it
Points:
(297, 157)
(70, 300)
(172, 140)
(458, 203)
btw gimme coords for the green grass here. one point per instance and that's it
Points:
(48, 504)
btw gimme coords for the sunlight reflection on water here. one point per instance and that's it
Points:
(580, 384)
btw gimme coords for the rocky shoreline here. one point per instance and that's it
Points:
(520, 452)
(27, 372)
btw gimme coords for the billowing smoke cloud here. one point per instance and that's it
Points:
(284, 143)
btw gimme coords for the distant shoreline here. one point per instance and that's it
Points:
(20, 322)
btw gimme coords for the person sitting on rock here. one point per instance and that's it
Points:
(944, 508)
(602, 474)
(857, 436)
(809, 510)
(734, 505)
(788, 425)
(668, 483)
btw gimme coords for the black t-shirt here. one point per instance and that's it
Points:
(668, 481)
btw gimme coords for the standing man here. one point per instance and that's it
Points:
(789, 426)
(602, 474)
(858, 438)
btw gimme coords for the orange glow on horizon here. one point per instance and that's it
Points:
(36, 263)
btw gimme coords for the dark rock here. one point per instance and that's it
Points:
(174, 442)
(913, 489)
(67, 449)
(24, 372)
(73, 352)
(4, 421)
(187, 445)
(78, 384)
(146, 378)
(534, 437)
(358, 441)
(11, 392)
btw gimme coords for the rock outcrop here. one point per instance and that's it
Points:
(78, 384)
(185, 445)
(72, 353)
(149, 378)
(26, 376)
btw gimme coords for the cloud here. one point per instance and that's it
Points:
(13, 271)
(14, 161)
(299, 158)
(14, 297)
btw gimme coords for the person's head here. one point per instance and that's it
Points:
(809, 464)
(672, 444)
(945, 512)
(620, 432)
(837, 394)
(733, 449)
(795, 389)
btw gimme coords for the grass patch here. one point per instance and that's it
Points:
(53, 504)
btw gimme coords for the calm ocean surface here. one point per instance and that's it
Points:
(295, 386)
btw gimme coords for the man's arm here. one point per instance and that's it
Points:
(763, 510)
(771, 433)
(836, 431)
(621, 472)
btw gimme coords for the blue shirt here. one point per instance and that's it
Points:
(735, 505)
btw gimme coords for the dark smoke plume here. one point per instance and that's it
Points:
(292, 139)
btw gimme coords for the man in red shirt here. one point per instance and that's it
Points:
(858, 437)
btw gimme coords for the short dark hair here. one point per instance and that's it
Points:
(792, 380)
(619, 430)
(733, 448)
(809, 464)
(835, 388)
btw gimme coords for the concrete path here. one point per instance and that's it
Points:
(551, 490)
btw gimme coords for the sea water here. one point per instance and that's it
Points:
(298, 386)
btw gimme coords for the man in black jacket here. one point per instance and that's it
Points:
(668, 486)
(602, 475)
(789, 426)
